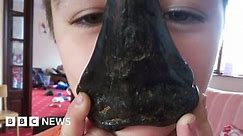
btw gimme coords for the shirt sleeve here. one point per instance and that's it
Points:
(54, 131)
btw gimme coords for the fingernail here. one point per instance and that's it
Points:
(184, 125)
(78, 99)
(187, 119)
(192, 120)
(192, 124)
(204, 94)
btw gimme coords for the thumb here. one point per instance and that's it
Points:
(77, 112)
(184, 125)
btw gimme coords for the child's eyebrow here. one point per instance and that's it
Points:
(57, 3)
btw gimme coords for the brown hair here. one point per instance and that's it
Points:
(47, 6)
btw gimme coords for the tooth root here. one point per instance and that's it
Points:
(136, 70)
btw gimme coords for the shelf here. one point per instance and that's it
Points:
(17, 13)
(18, 66)
(15, 39)
(16, 89)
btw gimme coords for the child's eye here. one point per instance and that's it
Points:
(89, 20)
(183, 17)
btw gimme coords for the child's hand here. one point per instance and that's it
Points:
(195, 124)
(77, 112)
(188, 125)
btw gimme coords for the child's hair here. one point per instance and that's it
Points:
(47, 6)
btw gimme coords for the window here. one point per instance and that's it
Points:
(231, 61)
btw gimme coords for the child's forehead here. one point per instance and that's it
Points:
(75, 6)
(59, 3)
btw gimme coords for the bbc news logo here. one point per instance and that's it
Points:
(36, 121)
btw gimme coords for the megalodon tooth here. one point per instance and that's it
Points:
(136, 76)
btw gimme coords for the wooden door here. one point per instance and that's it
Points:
(18, 17)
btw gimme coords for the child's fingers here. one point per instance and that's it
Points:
(184, 125)
(98, 132)
(201, 112)
(203, 125)
(77, 112)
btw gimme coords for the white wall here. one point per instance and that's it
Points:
(45, 54)
(234, 84)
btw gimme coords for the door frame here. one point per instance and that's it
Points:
(26, 94)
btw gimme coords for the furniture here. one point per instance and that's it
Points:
(57, 75)
(5, 112)
(224, 108)
(17, 54)
(55, 78)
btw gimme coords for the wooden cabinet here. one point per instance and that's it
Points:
(18, 33)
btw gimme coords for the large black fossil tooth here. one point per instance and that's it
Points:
(136, 76)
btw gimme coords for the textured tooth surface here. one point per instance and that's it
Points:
(136, 76)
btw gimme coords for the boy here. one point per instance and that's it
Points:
(195, 27)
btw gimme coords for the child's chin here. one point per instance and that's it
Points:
(146, 131)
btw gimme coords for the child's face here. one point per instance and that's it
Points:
(195, 26)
